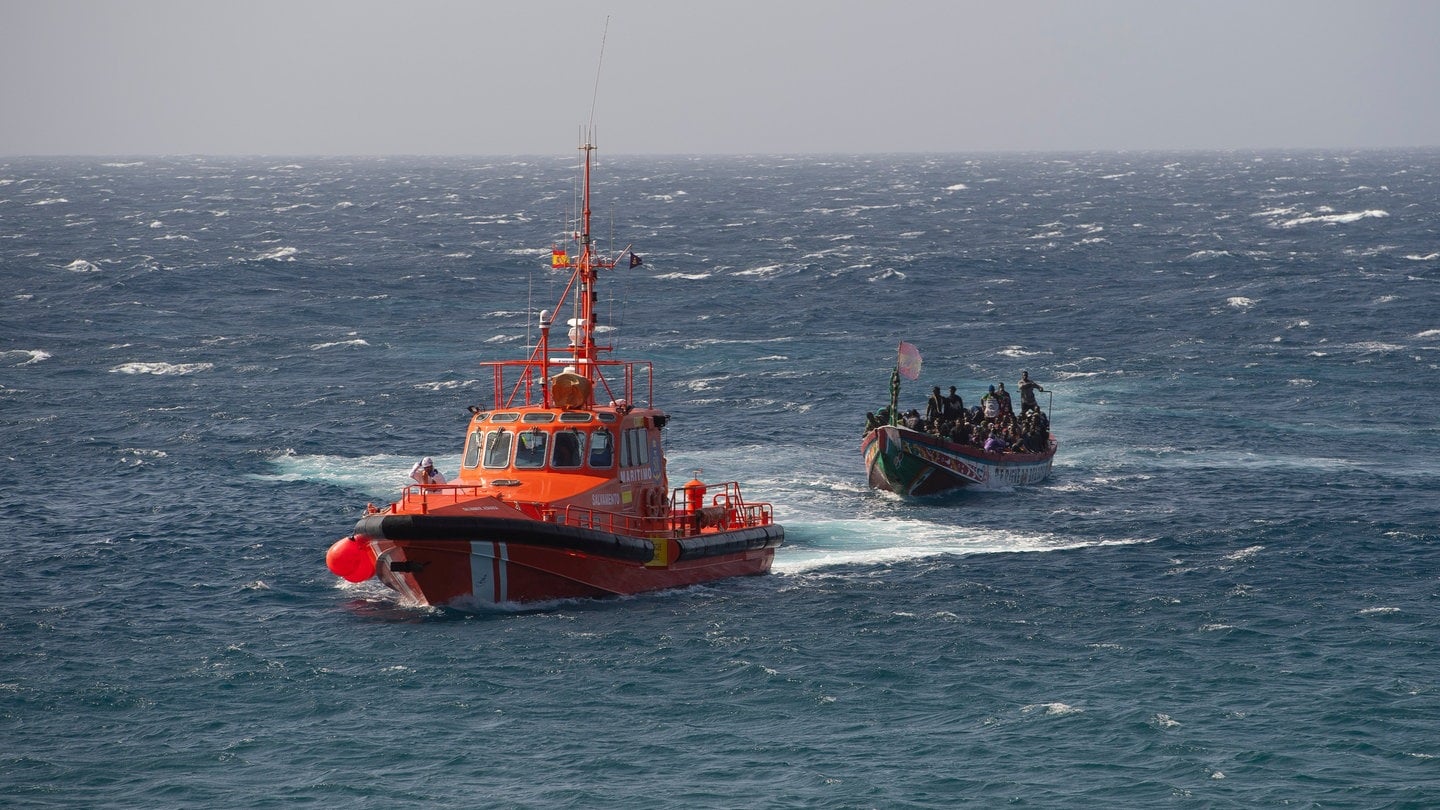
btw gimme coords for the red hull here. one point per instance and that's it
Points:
(471, 574)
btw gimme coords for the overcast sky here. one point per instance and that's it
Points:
(344, 77)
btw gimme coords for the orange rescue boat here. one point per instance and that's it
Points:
(562, 490)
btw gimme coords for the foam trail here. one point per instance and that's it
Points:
(375, 476)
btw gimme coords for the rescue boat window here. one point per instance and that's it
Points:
(575, 416)
(472, 448)
(541, 416)
(530, 453)
(642, 447)
(569, 449)
(504, 417)
(602, 449)
(606, 417)
(497, 449)
(627, 450)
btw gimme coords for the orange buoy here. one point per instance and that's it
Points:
(350, 559)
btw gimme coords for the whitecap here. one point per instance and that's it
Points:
(683, 276)
(1056, 709)
(315, 347)
(1428, 257)
(1429, 333)
(141, 451)
(1244, 553)
(280, 254)
(32, 356)
(957, 187)
(1334, 219)
(1240, 302)
(162, 368)
(1375, 346)
(1018, 351)
(765, 271)
(82, 266)
(1164, 721)
(1378, 611)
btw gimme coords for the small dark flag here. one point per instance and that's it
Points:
(635, 261)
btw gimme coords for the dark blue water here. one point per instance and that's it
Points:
(1225, 596)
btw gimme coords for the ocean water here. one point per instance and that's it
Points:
(1226, 595)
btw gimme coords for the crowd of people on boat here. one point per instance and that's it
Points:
(992, 425)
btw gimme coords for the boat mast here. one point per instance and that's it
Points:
(584, 340)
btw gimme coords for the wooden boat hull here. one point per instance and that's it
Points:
(913, 464)
(470, 562)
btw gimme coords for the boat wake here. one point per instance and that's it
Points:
(373, 476)
(814, 545)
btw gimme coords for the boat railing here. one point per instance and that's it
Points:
(528, 387)
(424, 497)
(726, 509)
(604, 521)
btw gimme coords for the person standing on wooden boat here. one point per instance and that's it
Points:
(425, 474)
(1004, 397)
(935, 406)
(989, 405)
(954, 405)
(1028, 387)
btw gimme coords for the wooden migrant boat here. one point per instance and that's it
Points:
(915, 464)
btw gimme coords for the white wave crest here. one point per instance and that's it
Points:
(1334, 219)
(1244, 553)
(444, 385)
(1240, 302)
(1164, 721)
(82, 266)
(280, 254)
(1018, 351)
(161, 368)
(12, 357)
(315, 347)
(1054, 709)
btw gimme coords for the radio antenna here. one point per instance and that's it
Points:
(596, 95)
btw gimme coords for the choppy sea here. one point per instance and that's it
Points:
(1226, 595)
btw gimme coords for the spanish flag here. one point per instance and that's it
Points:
(558, 258)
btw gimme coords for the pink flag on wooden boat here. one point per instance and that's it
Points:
(908, 361)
